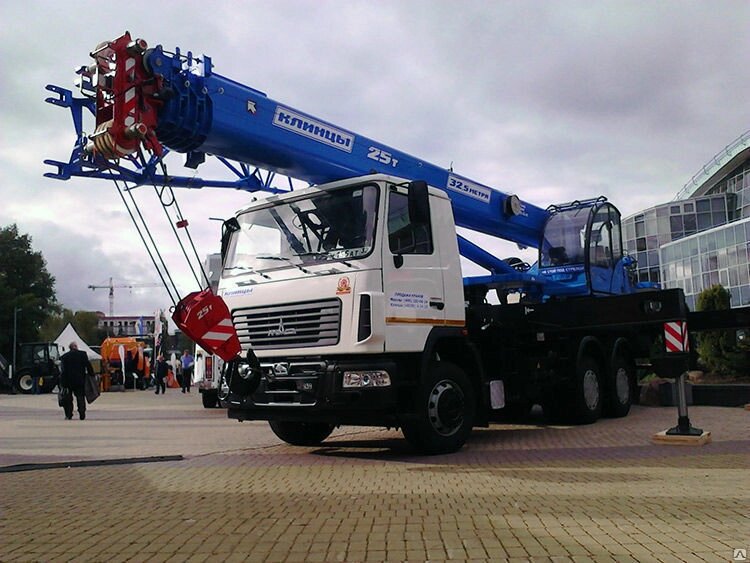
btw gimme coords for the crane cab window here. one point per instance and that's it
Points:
(404, 235)
(564, 237)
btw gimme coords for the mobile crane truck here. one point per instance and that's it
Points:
(344, 301)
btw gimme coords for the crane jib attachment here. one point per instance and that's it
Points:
(149, 99)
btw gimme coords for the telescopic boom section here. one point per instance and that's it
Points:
(152, 98)
(147, 102)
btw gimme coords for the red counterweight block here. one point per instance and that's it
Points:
(205, 319)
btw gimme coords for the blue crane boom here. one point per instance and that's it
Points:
(148, 102)
(169, 101)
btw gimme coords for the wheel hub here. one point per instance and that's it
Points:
(591, 389)
(622, 385)
(445, 408)
(26, 382)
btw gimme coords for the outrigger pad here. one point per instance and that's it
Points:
(206, 320)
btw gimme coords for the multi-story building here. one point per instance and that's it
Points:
(133, 325)
(701, 237)
(716, 256)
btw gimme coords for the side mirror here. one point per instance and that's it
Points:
(419, 203)
(229, 227)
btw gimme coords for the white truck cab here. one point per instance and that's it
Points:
(338, 289)
(342, 269)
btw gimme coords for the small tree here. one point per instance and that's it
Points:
(718, 349)
(86, 324)
(26, 288)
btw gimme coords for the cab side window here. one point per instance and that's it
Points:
(405, 237)
(605, 247)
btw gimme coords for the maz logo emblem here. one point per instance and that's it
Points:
(281, 330)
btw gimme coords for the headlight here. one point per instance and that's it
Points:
(364, 379)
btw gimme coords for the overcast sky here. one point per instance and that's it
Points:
(553, 101)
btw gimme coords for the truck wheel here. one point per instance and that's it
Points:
(618, 396)
(223, 393)
(587, 395)
(301, 433)
(210, 399)
(445, 410)
(24, 382)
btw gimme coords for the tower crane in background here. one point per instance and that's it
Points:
(112, 287)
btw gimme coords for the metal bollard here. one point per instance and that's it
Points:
(683, 427)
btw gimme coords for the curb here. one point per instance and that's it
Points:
(88, 463)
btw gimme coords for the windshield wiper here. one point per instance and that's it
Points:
(328, 255)
(284, 259)
(247, 269)
(315, 254)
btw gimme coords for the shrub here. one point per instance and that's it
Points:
(719, 350)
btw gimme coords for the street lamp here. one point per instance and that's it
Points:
(15, 332)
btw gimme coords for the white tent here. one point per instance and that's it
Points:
(69, 335)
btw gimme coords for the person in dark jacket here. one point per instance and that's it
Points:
(161, 374)
(129, 369)
(75, 367)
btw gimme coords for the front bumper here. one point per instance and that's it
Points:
(312, 391)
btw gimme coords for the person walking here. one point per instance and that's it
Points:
(129, 369)
(187, 370)
(75, 368)
(161, 374)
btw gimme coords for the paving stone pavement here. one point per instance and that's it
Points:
(528, 492)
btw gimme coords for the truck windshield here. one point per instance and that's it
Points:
(564, 238)
(326, 227)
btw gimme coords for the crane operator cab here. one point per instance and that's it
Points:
(581, 250)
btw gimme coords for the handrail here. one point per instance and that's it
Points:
(718, 160)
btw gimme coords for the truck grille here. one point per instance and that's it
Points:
(293, 325)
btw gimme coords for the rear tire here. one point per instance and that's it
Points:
(445, 411)
(618, 394)
(587, 395)
(210, 399)
(23, 381)
(301, 433)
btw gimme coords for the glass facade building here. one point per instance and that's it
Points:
(646, 232)
(701, 238)
(717, 256)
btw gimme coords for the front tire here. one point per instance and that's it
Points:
(301, 433)
(210, 399)
(445, 411)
